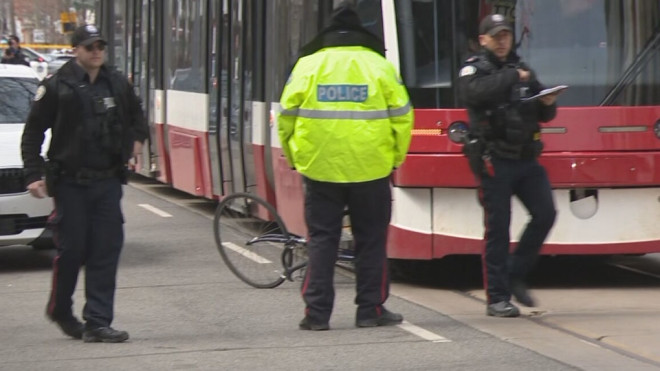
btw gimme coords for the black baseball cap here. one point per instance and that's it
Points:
(86, 35)
(493, 24)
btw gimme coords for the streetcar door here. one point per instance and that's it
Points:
(150, 86)
(236, 108)
(144, 79)
(218, 145)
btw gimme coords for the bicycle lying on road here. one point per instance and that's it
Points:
(256, 245)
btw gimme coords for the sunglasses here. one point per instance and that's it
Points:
(92, 47)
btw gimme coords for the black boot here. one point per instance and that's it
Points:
(502, 309)
(104, 335)
(521, 294)
(386, 318)
(71, 326)
(308, 324)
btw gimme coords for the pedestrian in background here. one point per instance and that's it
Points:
(502, 148)
(8, 56)
(13, 54)
(97, 125)
(345, 124)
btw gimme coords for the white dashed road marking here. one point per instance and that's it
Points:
(246, 253)
(155, 210)
(422, 333)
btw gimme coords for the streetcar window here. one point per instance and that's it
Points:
(187, 64)
(371, 15)
(425, 49)
(607, 50)
(119, 36)
(294, 23)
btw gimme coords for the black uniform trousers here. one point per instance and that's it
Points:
(527, 180)
(88, 230)
(369, 208)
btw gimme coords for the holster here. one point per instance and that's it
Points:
(474, 149)
(53, 172)
(532, 150)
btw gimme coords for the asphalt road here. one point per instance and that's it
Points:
(185, 310)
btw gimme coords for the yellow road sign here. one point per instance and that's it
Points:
(68, 20)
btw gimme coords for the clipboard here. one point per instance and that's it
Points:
(544, 92)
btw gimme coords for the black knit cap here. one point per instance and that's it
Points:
(344, 16)
(344, 19)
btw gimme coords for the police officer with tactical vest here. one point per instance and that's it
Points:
(345, 124)
(97, 125)
(502, 148)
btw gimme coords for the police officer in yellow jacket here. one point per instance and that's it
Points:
(345, 124)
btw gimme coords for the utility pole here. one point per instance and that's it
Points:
(5, 18)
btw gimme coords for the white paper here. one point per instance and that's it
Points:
(545, 92)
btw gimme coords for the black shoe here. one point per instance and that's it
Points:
(386, 318)
(520, 293)
(307, 324)
(70, 326)
(502, 309)
(104, 335)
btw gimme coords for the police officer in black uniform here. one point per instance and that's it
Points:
(14, 53)
(97, 125)
(502, 148)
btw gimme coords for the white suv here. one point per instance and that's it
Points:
(38, 61)
(22, 217)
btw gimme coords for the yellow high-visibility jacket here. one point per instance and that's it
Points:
(345, 116)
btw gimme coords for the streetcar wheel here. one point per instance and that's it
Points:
(239, 219)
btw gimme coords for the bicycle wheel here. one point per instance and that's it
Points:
(250, 237)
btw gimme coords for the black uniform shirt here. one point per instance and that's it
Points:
(98, 106)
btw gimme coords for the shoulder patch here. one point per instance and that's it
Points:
(41, 91)
(467, 71)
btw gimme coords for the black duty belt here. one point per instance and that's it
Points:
(92, 174)
(84, 175)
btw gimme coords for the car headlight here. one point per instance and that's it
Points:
(457, 131)
(656, 129)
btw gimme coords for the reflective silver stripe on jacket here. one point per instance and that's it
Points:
(347, 115)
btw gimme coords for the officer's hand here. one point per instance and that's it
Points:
(38, 189)
(549, 99)
(523, 74)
